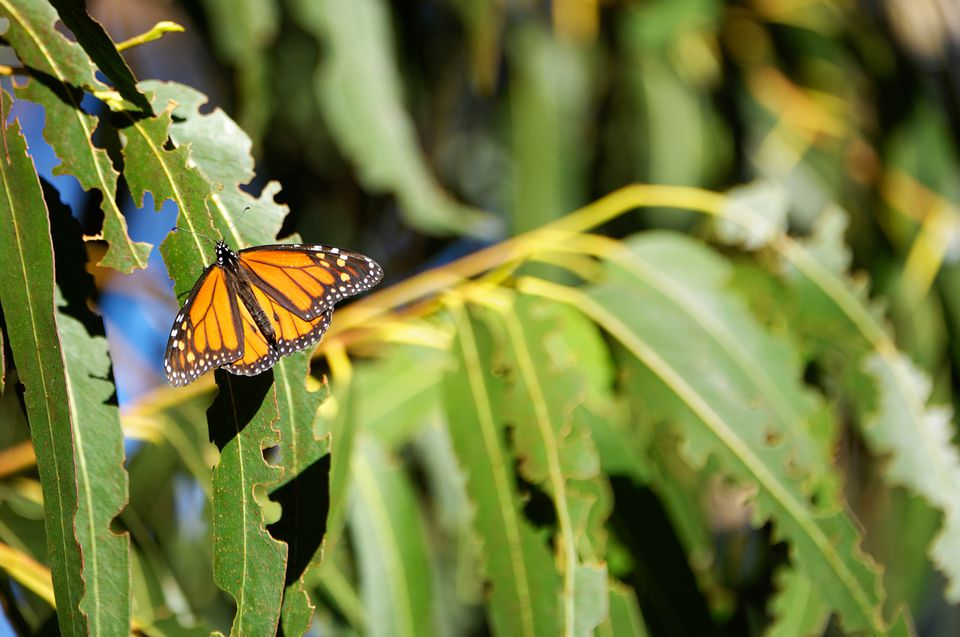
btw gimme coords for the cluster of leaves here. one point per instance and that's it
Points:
(495, 431)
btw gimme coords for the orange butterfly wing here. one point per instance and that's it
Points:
(309, 279)
(291, 334)
(206, 332)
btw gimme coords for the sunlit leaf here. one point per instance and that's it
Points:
(797, 608)
(101, 478)
(728, 411)
(625, 616)
(336, 420)
(546, 386)
(220, 150)
(62, 72)
(458, 593)
(27, 297)
(893, 393)
(408, 387)
(151, 166)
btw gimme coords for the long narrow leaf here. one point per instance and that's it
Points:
(249, 564)
(525, 586)
(556, 450)
(916, 436)
(151, 166)
(390, 543)
(692, 381)
(101, 478)
(220, 151)
(27, 297)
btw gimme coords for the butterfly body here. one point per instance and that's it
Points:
(250, 307)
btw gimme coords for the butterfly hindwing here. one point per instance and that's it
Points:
(206, 332)
(309, 279)
(258, 353)
(291, 334)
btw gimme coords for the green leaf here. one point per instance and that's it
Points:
(177, 551)
(101, 478)
(769, 200)
(101, 49)
(3, 365)
(368, 120)
(525, 585)
(335, 579)
(550, 106)
(798, 608)
(27, 297)
(336, 421)
(454, 553)
(249, 564)
(892, 393)
(407, 383)
(303, 492)
(44, 51)
(390, 545)
(711, 383)
(61, 72)
(929, 466)
(752, 367)
(625, 616)
(220, 151)
(556, 451)
(170, 174)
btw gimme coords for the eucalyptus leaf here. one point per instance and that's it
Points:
(386, 529)
(101, 49)
(61, 73)
(248, 563)
(27, 298)
(693, 382)
(525, 596)
(368, 119)
(892, 393)
(303, 491)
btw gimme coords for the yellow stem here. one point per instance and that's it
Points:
(153, 34)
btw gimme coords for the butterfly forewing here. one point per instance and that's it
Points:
(309, 279)
(206, 332)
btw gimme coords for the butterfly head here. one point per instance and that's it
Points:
(224, 254)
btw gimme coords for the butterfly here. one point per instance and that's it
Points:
(251, 307)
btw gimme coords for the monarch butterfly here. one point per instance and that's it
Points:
(251, 307)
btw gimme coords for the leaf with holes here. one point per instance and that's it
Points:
(60, 73)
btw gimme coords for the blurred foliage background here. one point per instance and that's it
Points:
(820, 333)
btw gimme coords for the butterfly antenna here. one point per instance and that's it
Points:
(199, 234)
